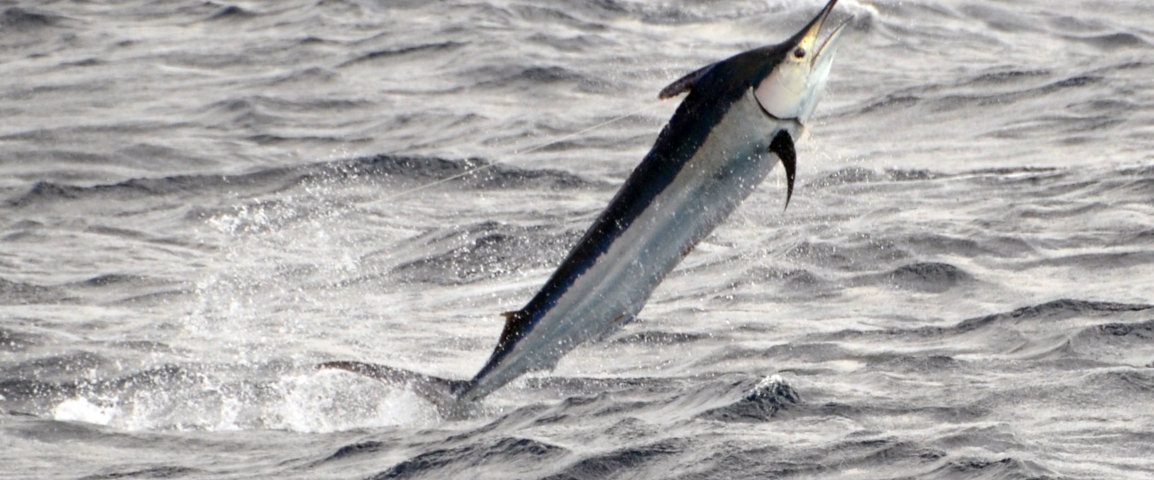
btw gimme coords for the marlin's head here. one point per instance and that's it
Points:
(786, 79)
(793, 85)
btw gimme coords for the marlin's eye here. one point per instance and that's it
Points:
(799, 52)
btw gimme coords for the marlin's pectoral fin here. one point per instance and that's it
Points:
(782, 146)
(684, 84)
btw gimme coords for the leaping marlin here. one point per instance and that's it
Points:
(740, 117)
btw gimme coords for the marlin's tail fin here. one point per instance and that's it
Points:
(441, 392)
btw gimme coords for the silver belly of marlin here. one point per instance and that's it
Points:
(738, 119)
(724, 169)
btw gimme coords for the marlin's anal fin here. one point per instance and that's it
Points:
(516, 323)
(782, 146)
(684, 84)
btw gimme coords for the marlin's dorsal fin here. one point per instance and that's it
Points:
(684, 84)
(516, 322)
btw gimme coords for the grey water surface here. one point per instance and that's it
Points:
(200, 200)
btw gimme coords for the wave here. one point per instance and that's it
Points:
(658, 337)
(310, 76)
(1022, 333)
(762, 403)
(805, 352)
(23, 293)
(1138, 332)
(16, 341)
(782, 14)
(1129, 381)
(555, 15)
(231, 13)
(1035, 314)
(847, 175)
(981, 468)
(855, 174)
(622, 461)
(929, 277)
(18, 19)
(864, 254)
(501, 457)
(257, 103)
(469, 173)
(932, 243)
(153, 472)
(873, 408)
(998, 88)
(1049, 311)
(387, 55)
(1111, 41)
(519, 76)
(866, 452)
(1114, 343)
(137, 286)
(1094, 261)
(481, 251)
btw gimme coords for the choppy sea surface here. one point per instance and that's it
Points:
(200, 200)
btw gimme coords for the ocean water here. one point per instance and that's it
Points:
(200, 200)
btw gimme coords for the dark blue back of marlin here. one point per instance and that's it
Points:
(738, 121)
(723, 140)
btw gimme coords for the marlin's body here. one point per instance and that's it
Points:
(738, 120)
(708, 159)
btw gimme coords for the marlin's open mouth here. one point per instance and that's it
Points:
(813, 31)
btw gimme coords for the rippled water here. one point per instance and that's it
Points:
(201, 200)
